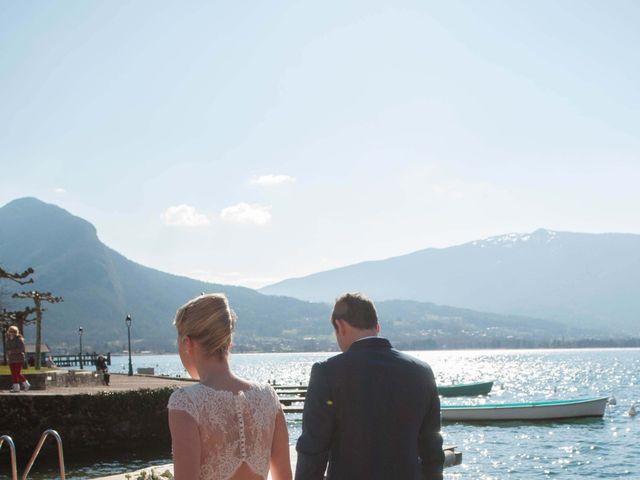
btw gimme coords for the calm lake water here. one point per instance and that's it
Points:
(607, 448)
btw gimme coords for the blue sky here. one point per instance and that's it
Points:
(247, 142)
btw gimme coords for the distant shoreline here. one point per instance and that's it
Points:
(506, 349)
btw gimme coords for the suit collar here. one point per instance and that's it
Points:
(367, 343)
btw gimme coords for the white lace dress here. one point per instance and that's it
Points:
(233, 428)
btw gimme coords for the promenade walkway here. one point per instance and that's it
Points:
(119, 382)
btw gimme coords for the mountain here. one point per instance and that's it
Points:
(100, 287)
(575, 278)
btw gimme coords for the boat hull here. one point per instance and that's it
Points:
(551, 410)
(465, 389)
(461, 390)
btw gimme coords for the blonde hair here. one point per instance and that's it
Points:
(208, 320)
(14, 329)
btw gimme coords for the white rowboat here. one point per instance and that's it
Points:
(548, 410)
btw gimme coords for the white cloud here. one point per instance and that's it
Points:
(247, 213)
(59, 190)
(271, 180)
(184, 215)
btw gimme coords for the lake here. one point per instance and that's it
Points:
(606, 448)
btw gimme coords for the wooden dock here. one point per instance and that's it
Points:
(291, 397)
(88, 360)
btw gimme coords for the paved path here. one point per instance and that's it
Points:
(118, 383)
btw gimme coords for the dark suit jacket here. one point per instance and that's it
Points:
(372, 413)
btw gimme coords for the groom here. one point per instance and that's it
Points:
(370, 412)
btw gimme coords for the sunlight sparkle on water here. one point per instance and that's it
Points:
(602, 448)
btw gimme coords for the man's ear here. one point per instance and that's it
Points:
(341, 327)
(377, 328)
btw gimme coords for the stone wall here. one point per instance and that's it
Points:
(118, 421)
(73, 378)
(55, 378)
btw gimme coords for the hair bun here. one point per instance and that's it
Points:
(209, 320)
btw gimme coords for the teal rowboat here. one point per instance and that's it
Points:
(465, 389)
(549, 410)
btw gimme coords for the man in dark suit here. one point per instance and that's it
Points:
(370, 412)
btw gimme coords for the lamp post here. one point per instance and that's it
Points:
(5, 360)
(128, 321)
(80, 330)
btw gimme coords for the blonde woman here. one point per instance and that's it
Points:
(223, 427)
(15, 351)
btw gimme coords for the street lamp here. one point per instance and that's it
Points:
(80, 330)
(128, 321)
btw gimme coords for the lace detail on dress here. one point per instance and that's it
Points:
(233, 428)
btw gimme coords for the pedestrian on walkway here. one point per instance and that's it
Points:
(103, 370)
(15, 350)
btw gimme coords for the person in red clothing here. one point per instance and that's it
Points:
(15, 351)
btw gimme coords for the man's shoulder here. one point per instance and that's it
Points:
(330, 366)
(410, 359)
(330, 362)
(358, 356)
(393, 355)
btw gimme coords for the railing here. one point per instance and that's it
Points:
(12, 450)
(36, 452)
(88, 360)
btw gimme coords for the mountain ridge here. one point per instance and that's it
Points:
(565, 276)
(100, 287)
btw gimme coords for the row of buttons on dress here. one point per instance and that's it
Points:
(243, 449)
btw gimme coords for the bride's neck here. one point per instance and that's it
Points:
(215, 371)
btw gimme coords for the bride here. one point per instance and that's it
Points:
(223, 427)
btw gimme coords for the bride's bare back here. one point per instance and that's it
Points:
(236, 430)
(223, 428)
(244, 472)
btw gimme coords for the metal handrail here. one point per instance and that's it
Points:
(44, 436)
(12, 450)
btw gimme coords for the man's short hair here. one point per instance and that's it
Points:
(355, 309)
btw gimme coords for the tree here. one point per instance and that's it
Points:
(38, 298)
(19, 317)
(17, 277)
(4, 294)
(7, 318)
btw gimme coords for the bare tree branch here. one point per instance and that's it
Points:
(17, 277)
(38, 298)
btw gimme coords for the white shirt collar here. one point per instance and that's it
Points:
(367, 338)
